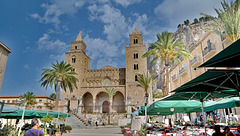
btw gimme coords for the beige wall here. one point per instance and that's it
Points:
(4, 51)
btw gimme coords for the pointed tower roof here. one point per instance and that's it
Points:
(135, 31)
(79, 38)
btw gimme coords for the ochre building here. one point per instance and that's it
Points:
(90, 96)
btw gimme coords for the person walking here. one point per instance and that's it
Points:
(34, 131)
(97, 123)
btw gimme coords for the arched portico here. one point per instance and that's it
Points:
(87, 101)
(118, 102)
(100, 99)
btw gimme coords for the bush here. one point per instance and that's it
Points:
(142, 131)
(68, 127)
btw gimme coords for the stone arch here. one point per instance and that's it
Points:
(105, 107)
(118, 102)
(87, 102)
(100, 98)
(135, 40)
(73, 59)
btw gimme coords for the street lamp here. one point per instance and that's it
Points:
(21, 100)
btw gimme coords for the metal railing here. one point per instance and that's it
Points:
(194, 60)
(184, 69)
(208, 49)
(174, 77)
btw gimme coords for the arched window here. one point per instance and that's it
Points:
(135, 56)
(135, 41)
(106, 82)
(135, 66)
(73, 59)
(136, 78)
(75, 47)
(73, 70)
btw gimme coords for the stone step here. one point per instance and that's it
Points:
(76, 122)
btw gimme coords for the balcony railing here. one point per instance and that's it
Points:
(174, 77)
(209, 49)
(183, 71)
(195, 61)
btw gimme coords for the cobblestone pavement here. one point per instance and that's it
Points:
(101, 131)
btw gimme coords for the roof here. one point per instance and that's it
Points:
(4, 46)
(79, 38)
(135, 31)
(108, 67)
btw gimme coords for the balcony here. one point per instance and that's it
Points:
(209, 50)
(175, 77)
(174, 64)
(196, 61)
(183, 71)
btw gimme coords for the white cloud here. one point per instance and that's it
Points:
(97, 47)
(126, 3)
(26, 66)
(57, 8)
(115, 26)
(174, 12)
(46, 43)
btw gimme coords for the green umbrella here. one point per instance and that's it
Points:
(222, 104)
(226, 58)
(175, 106)
(213, 80)
(201, 96)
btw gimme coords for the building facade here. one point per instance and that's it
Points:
(90, 96)
(4, 51)
(43, 102)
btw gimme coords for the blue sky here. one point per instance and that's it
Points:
(39, 32)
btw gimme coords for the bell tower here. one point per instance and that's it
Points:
(135, 64)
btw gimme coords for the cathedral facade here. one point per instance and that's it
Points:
(90, 95)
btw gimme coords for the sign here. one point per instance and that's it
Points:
(136, 124)
(123, 122)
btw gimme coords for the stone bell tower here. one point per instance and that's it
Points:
(80, 62)
(135, 64)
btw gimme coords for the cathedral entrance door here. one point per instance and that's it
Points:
(105, 107)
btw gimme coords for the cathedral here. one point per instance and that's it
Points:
(90, 95)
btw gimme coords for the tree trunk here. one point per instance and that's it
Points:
(109, 113)
(167, 74)
(57, 95)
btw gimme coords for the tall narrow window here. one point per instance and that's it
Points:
(75, 47)
(136, 78)
(135, 41)
(73, 59)
(73, 70)
(135, 66)
(136, 56)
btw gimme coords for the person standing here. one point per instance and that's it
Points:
(227, 131)
(217, 131)
(34, 131)
(97, 122)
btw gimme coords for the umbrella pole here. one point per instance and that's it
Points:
(204, 119)
(21, 124)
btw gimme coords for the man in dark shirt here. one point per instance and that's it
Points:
(34, 131)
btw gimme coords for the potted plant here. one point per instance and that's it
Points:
(58, 132)
(68, 129)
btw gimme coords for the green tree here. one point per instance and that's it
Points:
(158, 95)
(145, 81)
(53, 96)
(167, 49)
(228, 22)
(110, 93)
(186, 22)
(30, 99)
(195, 21)
(61, 75)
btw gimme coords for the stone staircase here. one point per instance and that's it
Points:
(76, 121)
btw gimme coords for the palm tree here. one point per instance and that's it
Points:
(228, 22)
(53, 96)
(60, 76)
(167, 49)
(110, 93)
(145, 81)
(30, 99)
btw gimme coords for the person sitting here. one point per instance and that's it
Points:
(217, 131)
(227, 131)
(34, 131)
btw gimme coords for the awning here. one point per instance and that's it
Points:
(213, 80)
(229, 57)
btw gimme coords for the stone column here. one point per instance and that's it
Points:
(128, 104)
(65, 105)
(79, 108)
(94, 105)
